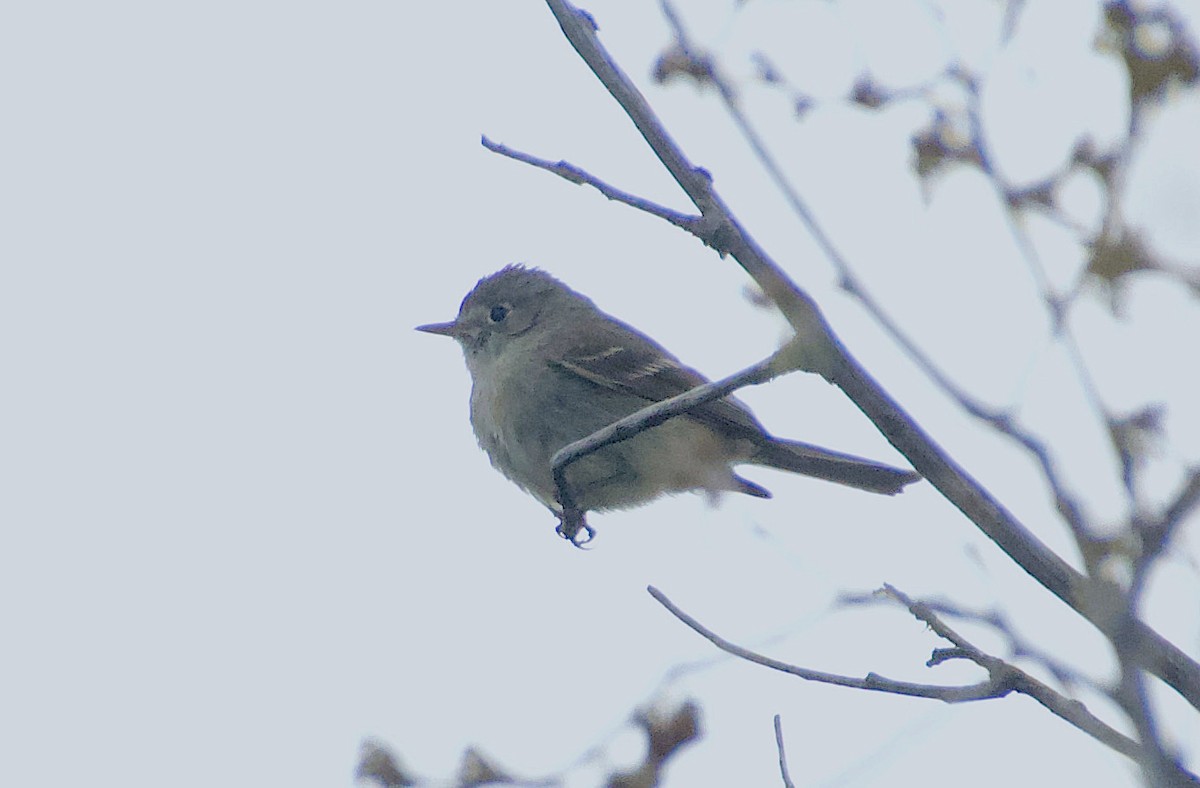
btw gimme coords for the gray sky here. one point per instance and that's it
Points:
(246, 524)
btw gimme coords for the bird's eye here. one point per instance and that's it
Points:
(498, 313)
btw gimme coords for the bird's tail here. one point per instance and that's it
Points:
(809, 460)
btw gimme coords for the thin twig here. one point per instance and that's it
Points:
(1159, 768)
(579, 176)
(1148, 750)
(1157, 536)
(1067, 506)
(873, 682)
(783, 767)
(995, 619)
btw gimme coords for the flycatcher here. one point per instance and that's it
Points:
(549, 368)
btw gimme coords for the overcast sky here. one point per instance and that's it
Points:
(246, 525)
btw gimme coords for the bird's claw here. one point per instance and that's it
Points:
(571, 524)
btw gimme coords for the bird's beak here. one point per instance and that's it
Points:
(450, 329)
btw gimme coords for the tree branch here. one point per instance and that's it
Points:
(579, 176)
(783, 767)
(995, 619)
(1070, 710)
(873, 682)
(1003, 678)
(816, 348)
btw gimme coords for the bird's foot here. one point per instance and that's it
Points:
(574, 528)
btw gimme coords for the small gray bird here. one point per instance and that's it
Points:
(549, 368)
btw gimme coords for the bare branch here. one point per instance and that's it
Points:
(1003, 422)
(1112, 609)
(1149, 751)
(1159, 768)
(995, 619)
(1068, 709)
(983, 690)
(1055, 305)
(815, 348)
(1003, 678)
(1160, 533)
(579, 176)
(718, 227)
(783, 767)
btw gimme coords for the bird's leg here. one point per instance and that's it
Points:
(570, 515)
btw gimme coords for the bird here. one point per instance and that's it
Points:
(548, 368)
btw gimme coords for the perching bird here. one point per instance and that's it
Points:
(549, 368)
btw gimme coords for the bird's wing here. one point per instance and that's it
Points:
(624, 361)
